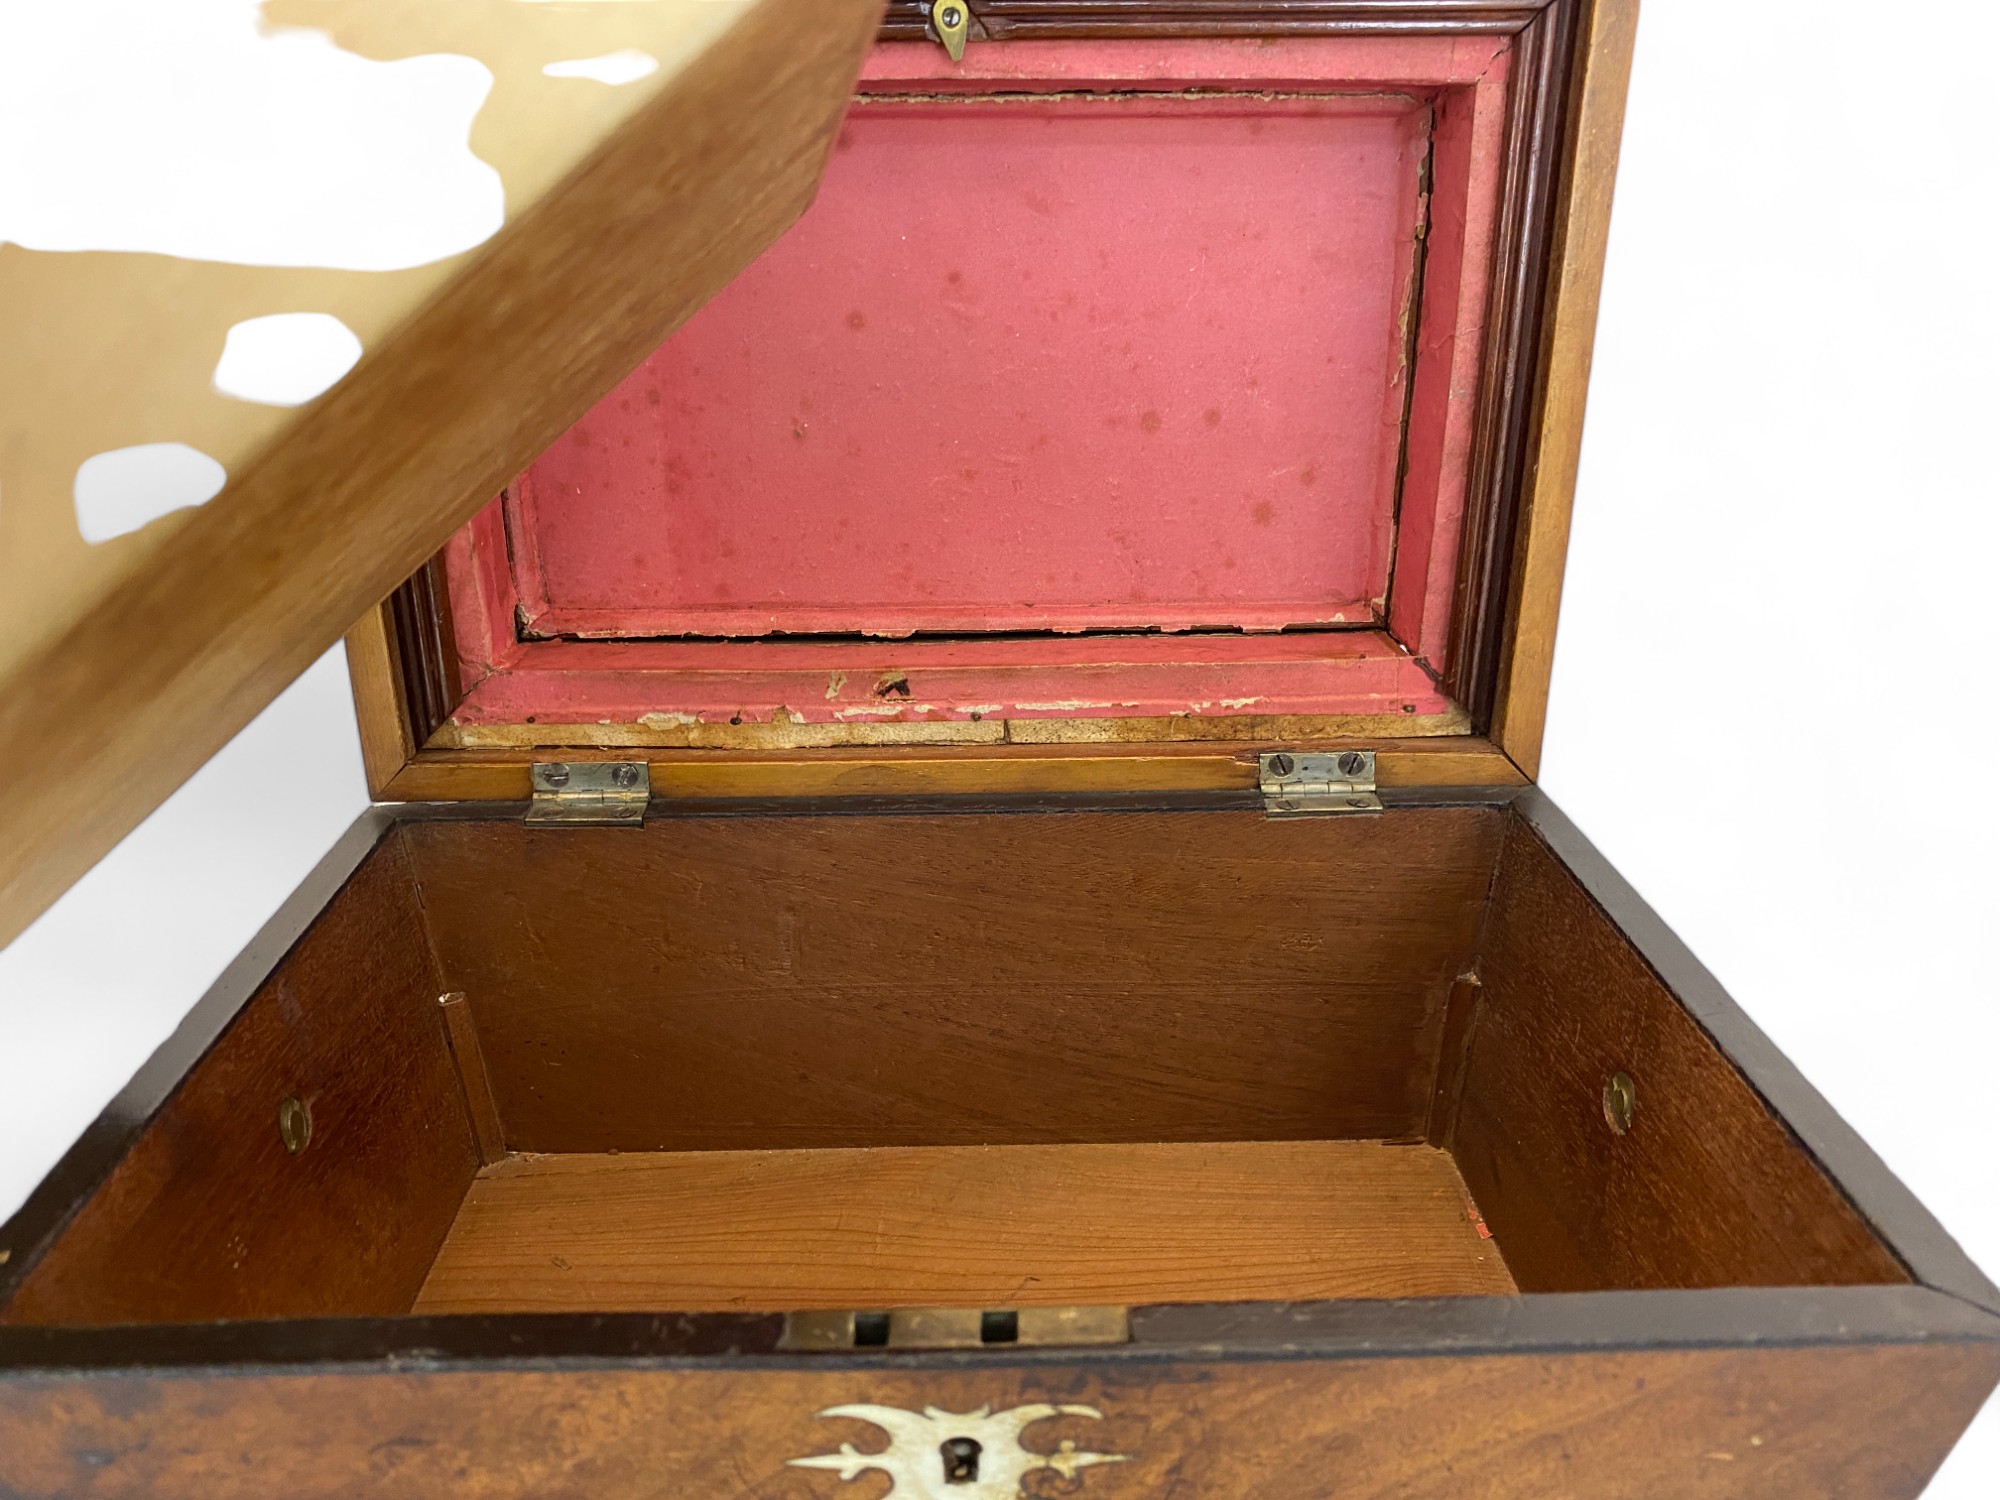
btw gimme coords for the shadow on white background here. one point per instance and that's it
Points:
(103, 978)
(1774, 694)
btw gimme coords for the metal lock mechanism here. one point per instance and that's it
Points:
(951, 23)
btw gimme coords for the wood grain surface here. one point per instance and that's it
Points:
(370, 479)
(981, 1226)
(382, 711)
(1583, 226)
(983, 979)
(462, 1037)
(1868, 1423)
(208, 1216)
(502, 775)
(1706, 1189)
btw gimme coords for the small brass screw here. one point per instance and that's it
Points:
(295, 1125)
(1621, 1098)
(950, 16)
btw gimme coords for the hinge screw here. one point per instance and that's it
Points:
(625, 775)
(1351, 763)
(1281, 765)
(556, 774)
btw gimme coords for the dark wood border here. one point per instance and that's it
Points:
(1552, 51)
(426, 653)
(998, 20)
(1546, 60)
(1560, 1323)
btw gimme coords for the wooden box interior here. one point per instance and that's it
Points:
(993, 1059)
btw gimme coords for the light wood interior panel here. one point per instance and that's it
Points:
(746, 983)
(1706, 1188)
(993, 1226)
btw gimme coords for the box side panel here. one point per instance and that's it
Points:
(1864, 1423)
(744, 983)
(210, 1215)
(1703, 1186)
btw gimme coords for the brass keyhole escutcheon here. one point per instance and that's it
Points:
(1621, 1098)
(295, 1124)
(961, 1460)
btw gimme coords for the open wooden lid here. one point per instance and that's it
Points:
(1143, 392)
(497, 210)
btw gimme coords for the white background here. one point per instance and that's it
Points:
(1774, 694)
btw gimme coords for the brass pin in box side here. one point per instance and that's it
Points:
(956, 1328)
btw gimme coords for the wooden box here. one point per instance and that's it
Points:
(958, 905)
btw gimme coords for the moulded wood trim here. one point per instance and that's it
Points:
(1003, 19)
(381, 709)
(1576, 278)
(1444, 1328)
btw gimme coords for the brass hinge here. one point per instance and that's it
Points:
(1314, 786)
(590, 791)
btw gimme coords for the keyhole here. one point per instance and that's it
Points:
(961, 1460)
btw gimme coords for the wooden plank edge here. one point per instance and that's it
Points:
(491, 776)
(1451, 1327)
(1577, 276)
(380, 712)
(461, 1037)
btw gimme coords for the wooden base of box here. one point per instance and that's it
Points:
(964, 1226)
